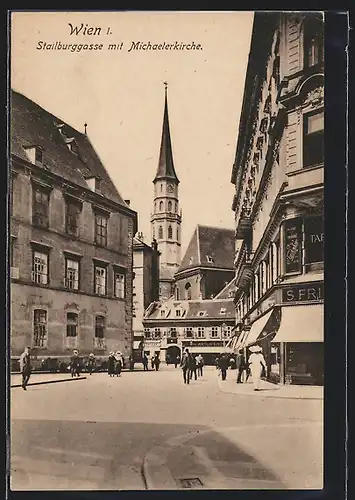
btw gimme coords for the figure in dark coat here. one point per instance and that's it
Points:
(157, 363)
(75, 364)
(25, 367)
(145, 363)
(223, 365)
(111, 364)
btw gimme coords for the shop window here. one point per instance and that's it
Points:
(313, 138)
(293, 246)
(314, 241)
(39, 328)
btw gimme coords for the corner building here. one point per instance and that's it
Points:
(71, 242)
(278, 202)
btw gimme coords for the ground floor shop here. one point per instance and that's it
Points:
(170, 353)
(291, 337)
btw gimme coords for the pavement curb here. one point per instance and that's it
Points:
(51, 381)
(264, 393)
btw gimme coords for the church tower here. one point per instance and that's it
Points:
(166, 216)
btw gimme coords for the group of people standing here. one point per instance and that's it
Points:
(115, 364)
(255, 366)
(192, 366)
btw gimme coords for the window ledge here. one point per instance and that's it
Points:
(304, 169)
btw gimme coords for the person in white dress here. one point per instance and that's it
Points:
(257, 363)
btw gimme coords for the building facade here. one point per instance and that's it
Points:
(278, 202)
(166, 216)
(71, 238)
(145, 285)
(207, 265)
(202, 326)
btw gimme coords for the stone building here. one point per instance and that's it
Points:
(207, 265)
(166, 216)
(71, 237)
(278, 202)
(145, 285)
(203, 326)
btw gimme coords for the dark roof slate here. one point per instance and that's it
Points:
(31, 125)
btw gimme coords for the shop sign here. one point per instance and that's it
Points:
(202, 343)
(264, 306)
(314, 239)
(293, 245)
(305, 292)
(152, 343)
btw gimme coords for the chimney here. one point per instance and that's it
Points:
(128, 202)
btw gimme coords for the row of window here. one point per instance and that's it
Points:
(170, 233)
(41, 275)
(302, 252)
(73, 208)
(159, 207)
(40, 329)
(189, 332)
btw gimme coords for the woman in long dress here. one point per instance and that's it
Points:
(257, 363)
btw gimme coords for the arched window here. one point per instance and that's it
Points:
(170, 233)
(313, 39)
(160, 234)
(170, 206)
(188, 291)
(161, 206)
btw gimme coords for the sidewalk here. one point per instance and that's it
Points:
(43, 378)
(269, 390)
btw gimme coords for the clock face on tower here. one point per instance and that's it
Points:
(170, 188)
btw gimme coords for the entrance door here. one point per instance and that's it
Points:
(172, 352)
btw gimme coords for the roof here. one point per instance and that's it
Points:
(31, 125)
(166, 162)
(228, 291)
(192, 309)
(212, 247)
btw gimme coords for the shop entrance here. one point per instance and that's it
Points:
(172, 353)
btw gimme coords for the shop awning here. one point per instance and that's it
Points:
(240, 340)
(256, 328)
(301, 324)
(136, 344)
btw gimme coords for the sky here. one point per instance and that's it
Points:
(119, 93)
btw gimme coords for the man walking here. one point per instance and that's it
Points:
(145, 363)
(200, 363)
(25, 367)
(157, 363)
(223, 364)
(91, 363)
(186, 365)
(241, 366)
(75, 364)
(193, 368)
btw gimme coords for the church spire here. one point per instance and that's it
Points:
(166, 168)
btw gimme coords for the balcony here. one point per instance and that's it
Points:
(99, 343)
(243, 229)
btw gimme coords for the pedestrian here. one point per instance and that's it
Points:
(157, 363)
(152, 362)
(25, 367)
(131, 363)
(118, 364)
(216, 362)
(91, 363)
(193, 367)
(200, 363)
(257, 363)
(177, 361)
(111, 364)
(74, 364)
(242, 366)
(145, 363)
(186, 365)
(223, 365)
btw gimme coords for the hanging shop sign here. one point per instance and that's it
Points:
(201, 343)
(293, 245)
(305, 292)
